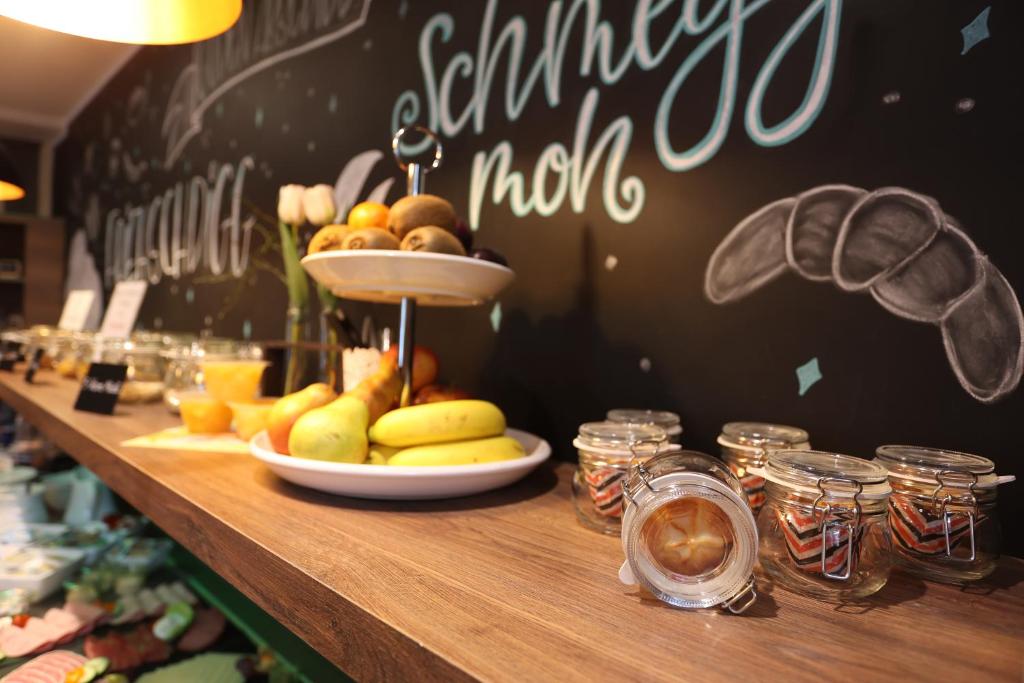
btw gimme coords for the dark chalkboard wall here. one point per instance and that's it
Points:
(609, 308)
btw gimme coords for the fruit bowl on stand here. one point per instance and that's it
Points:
(384, 276)
(390, 482)
(409, 277)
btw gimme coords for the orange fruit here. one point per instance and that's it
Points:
(204, 414)
(368, 215)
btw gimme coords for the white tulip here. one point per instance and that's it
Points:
(289, 204)
(318, 203)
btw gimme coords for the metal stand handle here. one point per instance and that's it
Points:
(406, 342)
(416, 176)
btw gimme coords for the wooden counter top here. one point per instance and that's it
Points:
(507, 586)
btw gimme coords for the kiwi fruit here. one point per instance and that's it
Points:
(328, 238)
(370, 238)
(415, 211)
(433, 239)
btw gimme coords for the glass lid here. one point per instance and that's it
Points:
(926, 465)
(762, 434)
(690, 540)
(617, 436)
(933, 459)
(806, 469)
(662, 418)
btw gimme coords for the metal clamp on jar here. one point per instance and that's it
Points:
(746, 445)
(689, 537)
(823, 529)
(942, 512)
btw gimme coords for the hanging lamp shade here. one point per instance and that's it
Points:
(143, 22)
(10, 182)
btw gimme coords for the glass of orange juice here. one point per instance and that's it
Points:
(233, 380)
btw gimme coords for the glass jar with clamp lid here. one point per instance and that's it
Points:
(688, 534)
(823, 529)
(746, 445)
(942, 512)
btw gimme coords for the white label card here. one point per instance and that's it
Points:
(76, 310)
(124, 305)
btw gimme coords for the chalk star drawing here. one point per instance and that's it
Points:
(808, 375)
(976, 31)
(496, 317)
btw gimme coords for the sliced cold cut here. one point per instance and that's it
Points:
(751, 255)
(34, 636)
(881, 232)
(53, 667)
(128, 650)
(813, 228)
(926, 287)
(984, 338)
(206, 628)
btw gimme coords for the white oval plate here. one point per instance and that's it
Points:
(403, 483)
(385, 276)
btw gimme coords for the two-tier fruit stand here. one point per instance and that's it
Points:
(409, 279)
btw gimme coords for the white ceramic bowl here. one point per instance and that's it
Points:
(403, 483)
(385, 276)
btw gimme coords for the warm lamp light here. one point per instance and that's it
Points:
(10, 183)
(149, 22)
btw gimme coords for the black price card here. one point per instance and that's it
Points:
(8, 355)
(33, 364)
(101, 387)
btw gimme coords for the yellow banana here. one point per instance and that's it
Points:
(460, 452)
(437, 423)
(379, 455)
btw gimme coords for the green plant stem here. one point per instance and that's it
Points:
(328, 314)
(298, 300)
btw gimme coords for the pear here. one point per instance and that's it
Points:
(287, 410)
(335, 432)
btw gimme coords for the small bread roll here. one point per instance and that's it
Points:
(415, 211)
(433, 239)
(328, 238)
(370, 238)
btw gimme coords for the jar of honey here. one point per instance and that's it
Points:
(746, 445)
(689, 537)
(824, 529)
(605, 451)
(942, 512)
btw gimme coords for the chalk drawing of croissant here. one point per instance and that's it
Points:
(899, 245)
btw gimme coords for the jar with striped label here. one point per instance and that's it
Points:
(606, 450)
(824, 529)
(942, 512)
(746, 445)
